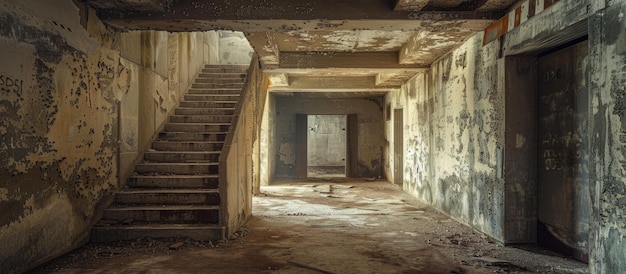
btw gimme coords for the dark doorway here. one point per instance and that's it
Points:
(398, 147)
(562, 151)
(326, 145)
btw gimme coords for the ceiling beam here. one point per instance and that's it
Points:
(264, 44)
(410, 5)
(424, 47)
(288, 15)
(381, 59)
(361, 82)
(278, 79)
(129, 5)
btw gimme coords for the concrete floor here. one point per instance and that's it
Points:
(328, 226)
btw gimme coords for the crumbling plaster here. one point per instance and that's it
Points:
(607, 39)
(452, 132)
(455, 126)
(58, 97)
(79, 102)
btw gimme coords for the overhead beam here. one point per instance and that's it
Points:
(434, 22)
(363, 82)
(134, 5)
(289, 15)
(353, 71)
(381, 59)
(424, 47)
(278, 79)
(393, 79)
(343, 90)
(264, 44)
(410, 5)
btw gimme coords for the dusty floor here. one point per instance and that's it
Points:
(328, 226)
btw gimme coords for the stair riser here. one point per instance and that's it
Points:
(219, 104)
(224, 70)
(216, 85)
(210, 216)
(191, 136)
(204, 97)
(208, 183)
(186, 146)
(214, 91)
(201, 119)
(204, 111)
(182, 157)
(196, 128)
(232, 75)
(108, 234)
(168, 198)
(176, 169)
(219, 80)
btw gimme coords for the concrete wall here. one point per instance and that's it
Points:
(370, 124)
(268, 129)
(234, 48)
(326, 140)
(607, 41)
(452, 136)
(78, 103)
(241, 157)
(462, 115)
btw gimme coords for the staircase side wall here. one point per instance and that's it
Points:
(78, 102)
(239, 163)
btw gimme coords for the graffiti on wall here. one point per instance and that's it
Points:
(10, 84)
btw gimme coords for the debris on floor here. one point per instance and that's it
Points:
(368, 227)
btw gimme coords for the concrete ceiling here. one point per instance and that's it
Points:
(357, 46)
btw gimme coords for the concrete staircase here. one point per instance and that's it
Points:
(174, 192)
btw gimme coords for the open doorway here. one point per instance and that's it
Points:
(547, 149)
(563, 201)
(326, 146)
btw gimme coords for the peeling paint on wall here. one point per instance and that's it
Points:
(62, 89)
(453, 134)
(57, 136)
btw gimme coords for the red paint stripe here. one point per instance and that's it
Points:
(500, 27)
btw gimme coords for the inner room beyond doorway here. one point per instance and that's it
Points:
(326, 146)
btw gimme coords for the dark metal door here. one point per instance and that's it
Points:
(398, 147)
(352, 146)
(301, 145)
(563, 174)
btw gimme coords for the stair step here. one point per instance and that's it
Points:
(168, 197)
(182, 157)
(201, 118)
(204, 111)
(212, 104)
(197, 127)
(177, 168)
(211, 97)
(164, 214)
(217, 85)
(220, 80)
(188, 145)
(176, 181)
(214, 91)
(233, 69)
(239, 75)
(202, 232)
(193, 136)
